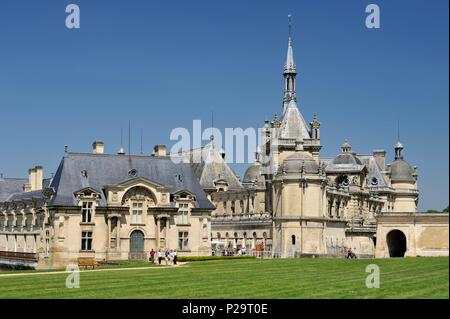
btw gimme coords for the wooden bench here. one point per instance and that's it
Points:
(87, 262)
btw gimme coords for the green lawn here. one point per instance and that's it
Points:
(283, 278)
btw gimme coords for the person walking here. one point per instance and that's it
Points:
(175, 257)
(354, 253)
(167, 257)
(152, 256)
(159, 256)
(349, 253)
(172, 257)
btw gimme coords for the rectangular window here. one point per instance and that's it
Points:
(183, 241)
(86, 212)
(137, 213)
(86, 241)
(183, 213)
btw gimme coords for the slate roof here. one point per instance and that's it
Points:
(401, 171)
(368, 161)
(27, 196)
(9, 186)
(293, 125)
(105, 170)
(209, 166)
(373, 170)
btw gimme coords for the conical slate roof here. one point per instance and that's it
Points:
(209, 167)
(293, 125)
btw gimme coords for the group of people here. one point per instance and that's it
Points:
(169, 256)
(237, 252)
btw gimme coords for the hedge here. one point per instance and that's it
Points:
(208, 258)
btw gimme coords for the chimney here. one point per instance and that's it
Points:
(39, 177)
(98, 147)
(380, 156)
(35, 179)
(31, 180)
(160, 150)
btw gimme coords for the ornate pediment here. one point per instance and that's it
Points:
(88, 192)
(184, 194)
(138, 181)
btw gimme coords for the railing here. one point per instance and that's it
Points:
(19, 256)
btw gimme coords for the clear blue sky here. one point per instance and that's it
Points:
(164, 63)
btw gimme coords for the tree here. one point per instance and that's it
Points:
(445, 210)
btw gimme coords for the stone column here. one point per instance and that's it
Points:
(118, 233)
(109, 232)
(158, 240)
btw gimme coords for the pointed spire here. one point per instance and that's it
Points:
(290, 64)
(289, 72)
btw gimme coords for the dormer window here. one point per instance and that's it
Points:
(86, 212)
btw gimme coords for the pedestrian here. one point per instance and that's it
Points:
(152, 256)
(171, 257)
(159, 256)
(167, 257)
(349, 253)
(175, 257)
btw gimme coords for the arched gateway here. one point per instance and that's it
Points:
(137, 245)
(396, 241)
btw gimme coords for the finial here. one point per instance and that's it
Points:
(142, 141)
(276, 123)
(257, 154)
(129, 137)
(211, 138)
(290, 25)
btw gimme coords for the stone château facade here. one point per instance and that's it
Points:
(291, 202)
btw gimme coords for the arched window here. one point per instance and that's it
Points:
(293, 239)
(138, 199)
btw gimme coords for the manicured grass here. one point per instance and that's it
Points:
(282, 278)
(115, 264)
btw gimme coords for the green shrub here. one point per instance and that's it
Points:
(208, 258)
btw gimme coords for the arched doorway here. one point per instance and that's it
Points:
(396, 241)
(137, 245)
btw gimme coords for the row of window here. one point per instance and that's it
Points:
(137, 212)
(86, 241)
